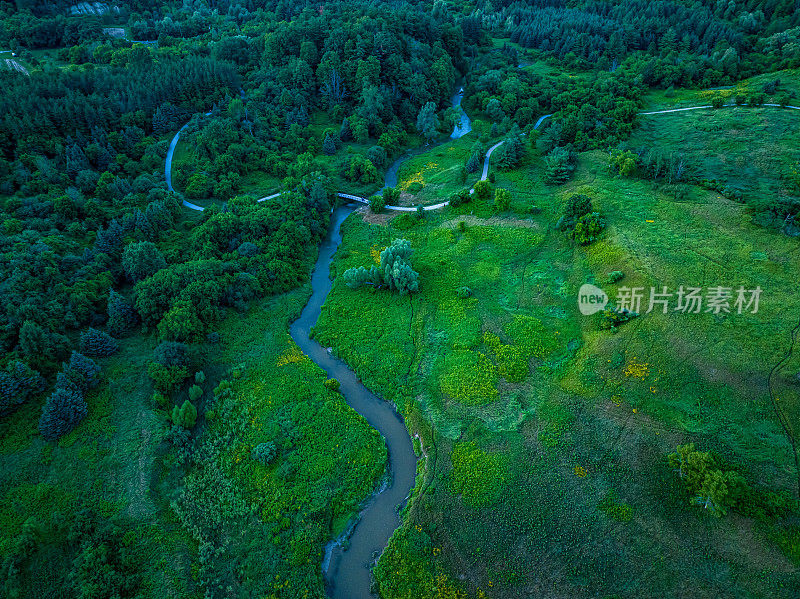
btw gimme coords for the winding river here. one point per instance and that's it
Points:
(348, 574)
(348, 571)
(461, 128)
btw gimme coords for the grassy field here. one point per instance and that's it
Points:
(657, 99)
(550, 435)
(433, 176)
(750, 154)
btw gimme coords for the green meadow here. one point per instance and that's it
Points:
(750, 153)
(550, 435)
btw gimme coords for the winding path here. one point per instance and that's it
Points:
(461, 129)
(710, 106)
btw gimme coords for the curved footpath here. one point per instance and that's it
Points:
(709, 106)
(460, 130)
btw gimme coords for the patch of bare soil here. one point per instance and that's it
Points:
(494, 221)
(382, 218)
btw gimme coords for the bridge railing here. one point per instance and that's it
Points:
(349, 196)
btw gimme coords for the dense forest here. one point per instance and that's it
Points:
(101, 260)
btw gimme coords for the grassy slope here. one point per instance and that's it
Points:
(657, 99)
(755, 150)
(117, 463)
(107, 463)
(597, 412)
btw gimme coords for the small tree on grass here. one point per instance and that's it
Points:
(81, 371)
(502, 199)
(482, 190)
(97, 343)
(622, 162)
(588, 228)
(709, 485)
(329, 146)
(394, 272)
(376, 204)
(559, 165)
(577, 205)
(473, 163)
(185, 415)
(62, 412)
(265, 452)
(121, 315)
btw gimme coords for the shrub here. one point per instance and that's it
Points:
(459, 198)
(97, 343)
(195, 393)
(391, 196)
(611, 317)
(265, 452)
(464, 292)
(185, 416)
(199, 377)
(502, 199)
(376, 204)
(482, 190)
(17, 384)
(588, 228)
(420, 212)
(615, 275)
(62, 412)
(612, 508)
(166, 378)
(161, 400)
(717, 101)
(81, 371)
(332, 384)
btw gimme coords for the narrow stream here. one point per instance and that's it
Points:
(348, 572)
(463, 127)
